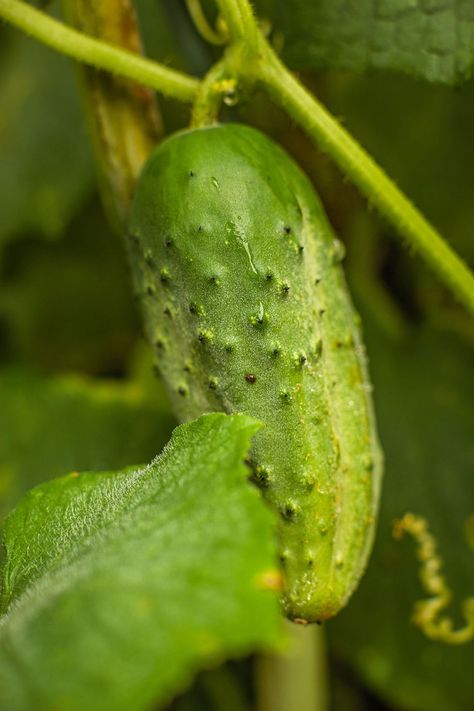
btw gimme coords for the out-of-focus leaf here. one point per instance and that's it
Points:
(422, 135)
(54, 425)
(430, 39)
(424, 394)
(68, 305)
(119, 586)
(45, 163)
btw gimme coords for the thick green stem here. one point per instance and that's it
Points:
(96, 53)
(371, 180)
(241, 22)
(123, 116)
(296, 679)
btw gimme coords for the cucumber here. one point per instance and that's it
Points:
(246, 305)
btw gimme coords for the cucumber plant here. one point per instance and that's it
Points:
(244, 297)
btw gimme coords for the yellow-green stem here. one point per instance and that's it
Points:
(91, 51)
(371, 180)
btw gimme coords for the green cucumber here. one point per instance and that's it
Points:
(245, 302)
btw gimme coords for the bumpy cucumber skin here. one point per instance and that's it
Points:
(245, 302)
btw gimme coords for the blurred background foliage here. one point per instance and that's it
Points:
(76, 388)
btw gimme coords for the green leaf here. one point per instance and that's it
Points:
(432, 40)
(119, 586)
(46, 166)
(54, 425)
(424, 392)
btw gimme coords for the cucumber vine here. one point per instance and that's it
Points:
(249, 62)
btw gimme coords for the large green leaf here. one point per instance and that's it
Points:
(424, 393)
(45, 165)
(52, 425)
(119, 586)
(431, 39)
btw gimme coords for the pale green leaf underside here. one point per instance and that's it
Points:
(118, 586)
(429, 39)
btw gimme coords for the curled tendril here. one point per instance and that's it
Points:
(218, 35)
(427, 613)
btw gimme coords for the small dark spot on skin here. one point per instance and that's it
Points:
(261, 476)
(167, 311)
(260, 318)
(285, 289)
(212, 383)
(193, 307)
(150, 290)
(214, 280)
(229, 347)
(188, 366)
(317, 281)
(205, 336)
(160, 344)
(276, 350)
(182, 390)
(200, 228)
(289, 511)
(307, 482)
(301, 358)
(322, 312)
(339, 344)
(269, 276)
(286, 396)
(149, 258)
(168, 242)
(192, 174)
(287, 229)
(300, 249)
(250, 377)
(164, 275)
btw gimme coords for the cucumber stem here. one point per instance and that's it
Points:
(296, 679)
(352, 159)
(91, 51)
(372, 181)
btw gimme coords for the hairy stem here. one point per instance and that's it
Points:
(265, 68)
(371, 180)
(123, 116)
(91, 51)
(241, 22)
